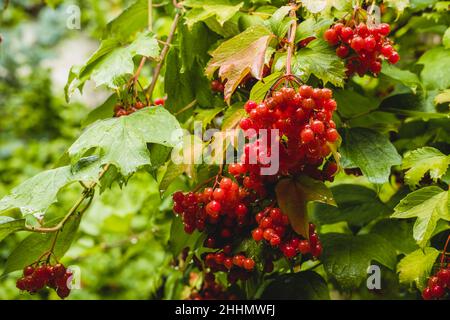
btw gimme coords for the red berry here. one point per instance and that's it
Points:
(370, 43)
(394, 58)
(305, 91)
(427, 294)
(63, 292)
(317, 127)
(213, 208)
(346, 33)
(257, 234)
(250, 105)
(249, 264)
(357, 43)
(275, 240)
(331, 37)
(268, 233)
(228, 263)
(28, 271)
(218, 194)
(289, 252)
(438, 291)
(332, 135)
(21, 284)
(387, 50)
(342, 51)
(375, 67)
(384, 29)
(307, 135)
(159, 102)
(226, 183)
(444, 277)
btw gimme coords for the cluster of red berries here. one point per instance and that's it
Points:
(304, 122)
(437, 285)
(224, 205)
(121, 110)
(36, 278)
(211, 290)
(221, 262)
(274, 228)
(362, 46)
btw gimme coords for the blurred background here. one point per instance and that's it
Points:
(122, 238)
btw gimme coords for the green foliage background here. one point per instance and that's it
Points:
(128, 239)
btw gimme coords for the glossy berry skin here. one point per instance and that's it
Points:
(362, 47)
(427, 294)
(437, 291)
(444, 277)
(159, 102)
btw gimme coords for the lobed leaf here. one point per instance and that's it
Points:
(428, 205)
(423, 160)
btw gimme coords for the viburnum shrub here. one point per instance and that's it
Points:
(266, 169)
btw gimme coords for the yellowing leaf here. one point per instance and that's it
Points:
(429, 205)
(423, 160)
(293, 196)
(239, 56)
(416, 266)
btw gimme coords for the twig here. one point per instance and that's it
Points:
(444, 251)
(187, 107)
(87, 193)
(162, 57)
(291, 38)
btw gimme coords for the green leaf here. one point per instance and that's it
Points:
(420, 161)
(398, 232)
(399, 5)
(36, 244)
(233, 116)
(416, 267)
(356, 204)
(347, 257)
(443, 97)
(113, 62)
(37, 194)
(104, 111)
(293, 196)
(404, 77)
(351, 104)
(370, 151)
(206, 116)
(436, 68)
(221, 10)
(446, 39)
(429, 205)
(278, 22)
(123, 141)
(380, 121)
(319, 59)
(9, 225)
(312, 27)
(306, 285)
(413, 105)
(260, 89)
(179, 239)
(132, 19)
(239, 56)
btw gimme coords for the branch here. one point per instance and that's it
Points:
(87, 193)
(291, 38)
(163, 55)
